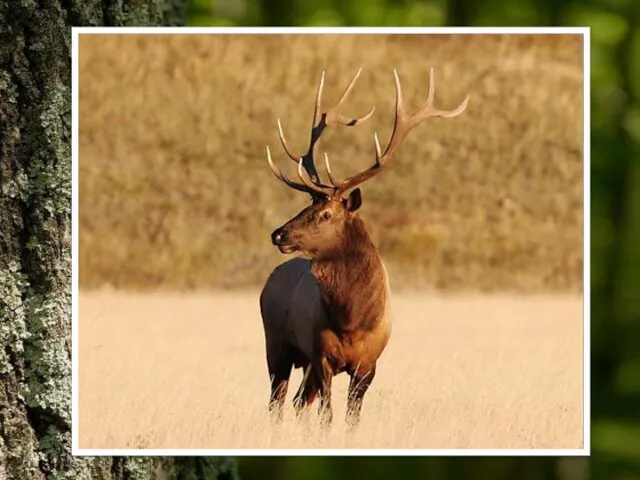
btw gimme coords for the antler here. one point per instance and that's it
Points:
(320, 121)
(307, 186)
(403, 124)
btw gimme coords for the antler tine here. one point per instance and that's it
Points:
(326, 191)
(317, 115)
(297, 186)
(332, 179)
(402, 125)
(333, 117)
(428, 110)
(283, 141)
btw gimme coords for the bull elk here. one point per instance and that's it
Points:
(327, 311)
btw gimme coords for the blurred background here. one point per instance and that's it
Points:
(615, 220)
(490, 201)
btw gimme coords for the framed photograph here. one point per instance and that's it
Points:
(331, 241)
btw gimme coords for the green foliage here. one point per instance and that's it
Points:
(197, 468)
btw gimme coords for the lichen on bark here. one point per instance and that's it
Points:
(126, 13)
(35, 244)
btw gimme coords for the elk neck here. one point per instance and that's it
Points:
(352, 282)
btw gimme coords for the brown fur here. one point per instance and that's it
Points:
(328, 313)
(358, 264)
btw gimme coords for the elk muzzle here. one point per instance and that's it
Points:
(278, 236)
(281, 239)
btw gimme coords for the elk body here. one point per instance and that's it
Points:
(327, 311)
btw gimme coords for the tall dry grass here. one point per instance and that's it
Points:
(188, 371)
(175, 191)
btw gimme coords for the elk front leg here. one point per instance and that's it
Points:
(307, 392)
(360, 381)
(324, 375)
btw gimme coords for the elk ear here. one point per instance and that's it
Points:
(354, 201)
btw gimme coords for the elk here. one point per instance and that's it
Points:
(327, 310)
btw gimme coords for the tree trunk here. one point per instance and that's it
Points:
(35, 244)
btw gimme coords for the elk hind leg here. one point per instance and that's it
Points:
(279, 362)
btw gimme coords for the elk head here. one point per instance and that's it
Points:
(320, 229)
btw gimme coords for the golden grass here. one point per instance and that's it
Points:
(175, 191)
(188, 371)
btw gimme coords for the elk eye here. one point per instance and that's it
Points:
(326, 215)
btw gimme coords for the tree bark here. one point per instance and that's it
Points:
(35, 244)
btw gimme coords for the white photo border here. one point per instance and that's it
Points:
(584, 31)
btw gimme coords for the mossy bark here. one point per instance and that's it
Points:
(35, 244)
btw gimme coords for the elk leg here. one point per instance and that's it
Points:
(280, 363)
(324, 375)
(359, 384)
(307, 392)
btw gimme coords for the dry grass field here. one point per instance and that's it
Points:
(478, 218)
(175, 190)
(188, 371)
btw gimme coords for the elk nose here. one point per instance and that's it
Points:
(278, 236)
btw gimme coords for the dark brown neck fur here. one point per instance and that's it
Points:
(352, 282)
